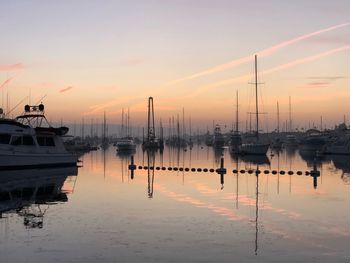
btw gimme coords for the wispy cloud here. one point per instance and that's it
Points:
(66, 89)
(316, 85)
(327, 78)
(263, 53)
(12, 67)
(246, 77)
(6, 82)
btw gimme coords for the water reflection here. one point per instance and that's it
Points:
(29, 193)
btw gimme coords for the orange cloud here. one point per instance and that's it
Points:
(12, 67)
(66, 89)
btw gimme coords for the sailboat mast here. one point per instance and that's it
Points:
(236, 111)
(256, 96)
(278, 118)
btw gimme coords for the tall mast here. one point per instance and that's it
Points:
(122, 128)
(256, 96)
(290, 114)
(278, 118)
(236, 111)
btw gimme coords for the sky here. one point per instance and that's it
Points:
(81, 58)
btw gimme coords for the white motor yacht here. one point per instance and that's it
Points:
(29, 142)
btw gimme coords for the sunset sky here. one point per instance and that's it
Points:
(88, 57)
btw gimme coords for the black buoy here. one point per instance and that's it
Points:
(266, 172)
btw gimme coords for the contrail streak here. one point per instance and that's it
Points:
(6, 82)
(66, 89)
(263, 53)
(246, 77)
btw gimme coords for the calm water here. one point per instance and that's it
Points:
(99, 214)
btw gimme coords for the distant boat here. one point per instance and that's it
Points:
(256, 147)
(340, 146)
(126, 143)
(26, 143)
(208, 139)
(290, 141)
(313, 141)
(218, 139)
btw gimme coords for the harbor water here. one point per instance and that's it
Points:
(100, 212)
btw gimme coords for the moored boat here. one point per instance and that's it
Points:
(26, 143)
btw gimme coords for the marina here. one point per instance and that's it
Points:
(174, 131)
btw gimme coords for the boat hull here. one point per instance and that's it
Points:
(14, 161)
(254, 149)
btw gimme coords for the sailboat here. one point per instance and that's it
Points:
(257, 147)
(236, 138)
(126, 143)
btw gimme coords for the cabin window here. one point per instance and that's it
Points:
(50, 141)
(46, 141)
(16, 140)
(28, 140)
(5, 138)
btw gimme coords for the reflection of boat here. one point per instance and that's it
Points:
(255, 159)
(341, 162)
(24, 191)
(256, 147)
(26, 143)
(340, 146)
(312, 157)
